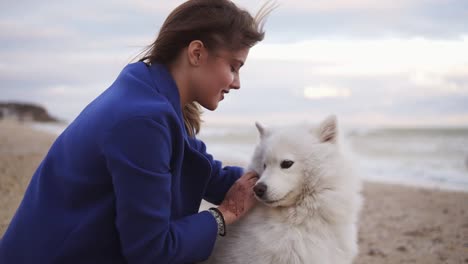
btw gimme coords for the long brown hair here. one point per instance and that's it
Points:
(218, 24)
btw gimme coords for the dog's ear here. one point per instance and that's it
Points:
(328, 130)
(262, 130)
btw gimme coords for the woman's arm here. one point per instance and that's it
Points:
(138, 153)
(229, 188)
(221, 179)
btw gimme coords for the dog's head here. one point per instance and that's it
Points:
(291, 160)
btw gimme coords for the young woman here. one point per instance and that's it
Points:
(123, 183)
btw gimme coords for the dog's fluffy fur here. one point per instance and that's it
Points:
(309, 211)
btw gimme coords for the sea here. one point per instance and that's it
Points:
(434, 158)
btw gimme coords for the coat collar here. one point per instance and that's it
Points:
(166, 85)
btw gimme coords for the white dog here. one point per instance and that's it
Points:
(310, 200)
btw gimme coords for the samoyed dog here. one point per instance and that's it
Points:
(309, 202)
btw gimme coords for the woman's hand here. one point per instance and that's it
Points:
(239, 199)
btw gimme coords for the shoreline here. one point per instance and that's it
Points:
(398, 224)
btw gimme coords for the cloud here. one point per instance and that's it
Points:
(325, 91)
(327, 5)
(11, 29)
(367, 58)
(296, 20)
(151, 7)
(436, 85)
(367, 61)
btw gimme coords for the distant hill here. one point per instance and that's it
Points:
(25, 112)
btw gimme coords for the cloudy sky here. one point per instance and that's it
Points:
(392, 63)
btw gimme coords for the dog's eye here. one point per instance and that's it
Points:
(286, 164)
(264, 166)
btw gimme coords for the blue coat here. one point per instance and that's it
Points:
(122, 184)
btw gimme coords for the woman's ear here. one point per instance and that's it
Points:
(196, 53)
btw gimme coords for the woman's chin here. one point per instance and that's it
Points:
(210, 106)
(213, 107)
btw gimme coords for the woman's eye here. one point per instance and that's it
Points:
(233, 69)
(286, 164)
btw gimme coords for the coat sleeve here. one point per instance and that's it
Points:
(222, 178)
(138, 154)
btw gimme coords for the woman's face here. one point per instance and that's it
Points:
(216, 75)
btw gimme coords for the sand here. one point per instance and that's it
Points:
(398, 224)
(413, 225)
(21, 151)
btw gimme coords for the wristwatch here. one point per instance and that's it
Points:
(219, 220)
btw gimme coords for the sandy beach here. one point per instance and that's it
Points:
(398, 224)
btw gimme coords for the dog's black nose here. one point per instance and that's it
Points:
(260, 189)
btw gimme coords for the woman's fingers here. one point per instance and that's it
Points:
(240, 197)
(252, 181)
(249, 176)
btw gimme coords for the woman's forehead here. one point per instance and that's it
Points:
(237, 55)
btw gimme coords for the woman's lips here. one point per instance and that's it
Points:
(223, 92)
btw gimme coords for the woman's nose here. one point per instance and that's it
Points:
(235, 83)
